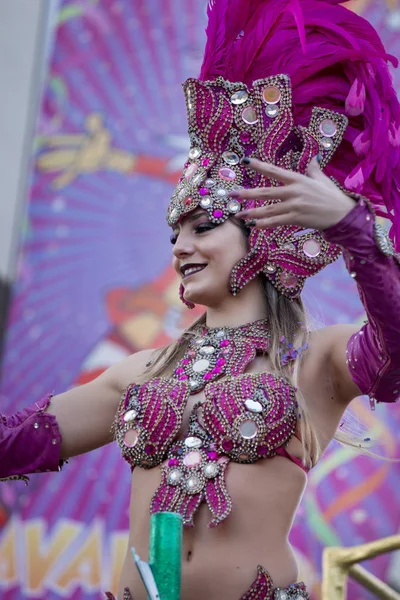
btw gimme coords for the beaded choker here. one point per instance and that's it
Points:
(215, 352)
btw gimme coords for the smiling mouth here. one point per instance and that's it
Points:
(188, 270)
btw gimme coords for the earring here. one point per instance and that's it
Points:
(186, 302)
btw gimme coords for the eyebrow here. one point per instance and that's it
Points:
(194, 217)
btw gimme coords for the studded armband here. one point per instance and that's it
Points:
(30, 442)
(373, 353)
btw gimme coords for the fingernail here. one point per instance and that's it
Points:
(319, 158)
(234, 193)
(245, 160)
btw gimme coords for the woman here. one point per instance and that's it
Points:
(223, 425)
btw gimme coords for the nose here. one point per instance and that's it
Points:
(183, 246)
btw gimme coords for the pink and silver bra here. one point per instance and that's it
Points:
(244, 417)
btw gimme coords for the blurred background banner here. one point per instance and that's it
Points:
(93, 284)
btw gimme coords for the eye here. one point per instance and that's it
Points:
(202, 227)
(173, 238)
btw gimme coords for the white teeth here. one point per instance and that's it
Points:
(192, 270)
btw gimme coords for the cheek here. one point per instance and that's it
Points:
(226, 257)
(175, 264)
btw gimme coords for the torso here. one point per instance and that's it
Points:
(220, 563)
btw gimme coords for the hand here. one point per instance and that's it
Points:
(310, 201)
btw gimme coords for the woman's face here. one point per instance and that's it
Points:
(204, 255)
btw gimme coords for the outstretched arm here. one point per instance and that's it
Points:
(39, 437)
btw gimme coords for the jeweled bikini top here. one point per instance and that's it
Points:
(244, 417)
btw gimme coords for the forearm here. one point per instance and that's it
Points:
(374, 352)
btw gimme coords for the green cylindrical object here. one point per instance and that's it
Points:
(165, 553)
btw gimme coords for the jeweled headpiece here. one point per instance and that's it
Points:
(336, 69)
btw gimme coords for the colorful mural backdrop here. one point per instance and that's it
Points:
(95, 284)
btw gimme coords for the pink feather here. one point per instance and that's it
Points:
(336, 60)
(355, 100)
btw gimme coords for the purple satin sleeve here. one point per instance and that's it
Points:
(30, 442)
(373, 353)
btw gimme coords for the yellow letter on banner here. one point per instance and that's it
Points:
(85, 566)
(8, 567)
(43, 551)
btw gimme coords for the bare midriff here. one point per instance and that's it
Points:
(220, 563)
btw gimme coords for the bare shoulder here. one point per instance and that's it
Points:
(326, 341)
(130, 368)
(327, 360)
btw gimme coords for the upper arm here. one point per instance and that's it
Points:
(336, 338)
(85, 414)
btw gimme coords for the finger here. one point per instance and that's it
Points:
(269, 170)
(264, 211)
(280, 220)
(314, 170)
(264, 193)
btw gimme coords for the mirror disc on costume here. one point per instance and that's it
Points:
(209, 182)
(227, 174)
(233, 206)
(198, 179)
(201, 365)
(207, 350)
(249, 115)
(221, 192)
(311, 248)
(189, 99)
(270, 268)
(174, 476)
(289, 247)
(287, 279)
(191, 170)
(193, 442)
(205, 202)
(174, 213)
(194, 384)
(328, 128)
(326, 143)
(271, 94)
(239, 97)
(193, 484)
(253, 406)
(272, 110)
(131, 437)
(211, 470)
(183, 192)
(194, 153)
(231, 158)
(192, 459)
(130, 415)
(248, 429)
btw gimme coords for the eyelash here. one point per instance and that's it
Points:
(202, 228)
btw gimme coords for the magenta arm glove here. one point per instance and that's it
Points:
(30, 442)
(373, 354)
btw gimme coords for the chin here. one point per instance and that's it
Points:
(203, 297)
